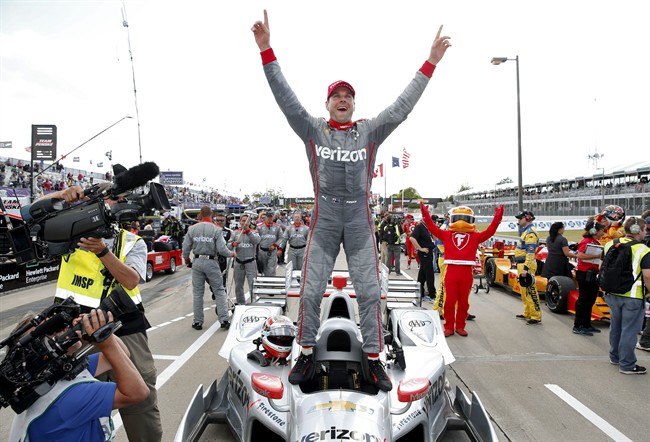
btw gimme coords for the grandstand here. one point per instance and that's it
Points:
(626, 186)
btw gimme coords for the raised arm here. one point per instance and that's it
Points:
(492, 228)
(262, 33)
(438, 48)
(435, 230)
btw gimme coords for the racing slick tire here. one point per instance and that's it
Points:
(149, 272)
(557, 293)
(172, 267)
(490, 272)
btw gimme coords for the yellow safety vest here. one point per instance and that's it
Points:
(638, 252)
(81, 274)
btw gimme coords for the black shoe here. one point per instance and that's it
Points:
(303, 370)
(636, 370)
(197, 326)
(470, 317)
(225, 325)
(592, 329)
(378, 376)
(582, 331)
(398, 273)
(533, 322)
(521, 317)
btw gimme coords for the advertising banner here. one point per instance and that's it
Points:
(14, 276)
(43, 142)
(5, 144)
(171, 178)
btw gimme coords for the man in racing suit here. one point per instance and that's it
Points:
(341, 155)
(527, 263)
(296, 237)
(244, 241)
(205, 239)
(270, 244)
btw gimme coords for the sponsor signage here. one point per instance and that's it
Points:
(14, 276)
(43, 142)
(397, 201)
(5, 144)
(171, 178)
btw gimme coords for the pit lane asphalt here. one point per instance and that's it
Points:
(538, 383)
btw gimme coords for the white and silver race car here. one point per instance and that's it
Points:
(255, 399)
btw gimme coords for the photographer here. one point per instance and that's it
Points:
(80, 409)
(88, 274)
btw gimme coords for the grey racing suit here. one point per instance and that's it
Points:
(341, 163)
(206, 241)
(270, 239)
(296, 239)
(245, 266)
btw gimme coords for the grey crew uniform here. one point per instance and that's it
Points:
(245, 268)
(206, 241)
(269, 236)
(341, 163)
(296, 239)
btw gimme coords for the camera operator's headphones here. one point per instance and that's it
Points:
(634, 228)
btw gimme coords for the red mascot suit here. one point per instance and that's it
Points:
(461, 241)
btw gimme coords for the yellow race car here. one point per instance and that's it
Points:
(559, 292)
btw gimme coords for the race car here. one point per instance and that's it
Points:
(560, 293)
(256, 401)
(164, 256)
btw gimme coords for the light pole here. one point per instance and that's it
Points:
(520, 191)
(73, 150)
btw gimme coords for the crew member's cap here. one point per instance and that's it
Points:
(409, 216)
(340, 83)
(526, 213)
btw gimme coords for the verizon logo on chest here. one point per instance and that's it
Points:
(338, 154)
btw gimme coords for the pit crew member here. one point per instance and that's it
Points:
(527, 264)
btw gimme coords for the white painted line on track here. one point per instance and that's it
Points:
(165, 357)
(176, 365)
(180, 318)
(592, 417)
(163, 324)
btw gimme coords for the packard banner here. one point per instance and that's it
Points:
(14, 276)
(43, 142)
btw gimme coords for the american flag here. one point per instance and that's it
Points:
(405, 158)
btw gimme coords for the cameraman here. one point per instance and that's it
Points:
(88, 274)
(80, 409)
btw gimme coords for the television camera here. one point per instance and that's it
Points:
(52, 227)
(38, 359)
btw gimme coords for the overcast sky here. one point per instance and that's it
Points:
(206, 109)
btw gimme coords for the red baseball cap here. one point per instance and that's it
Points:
(340, 83)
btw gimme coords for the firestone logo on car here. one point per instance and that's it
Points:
(334, 433)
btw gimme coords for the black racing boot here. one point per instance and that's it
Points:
(378, 376)
(303, 370)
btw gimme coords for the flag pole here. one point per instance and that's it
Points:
(385, 194)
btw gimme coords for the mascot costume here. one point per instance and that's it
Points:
(461, 242)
